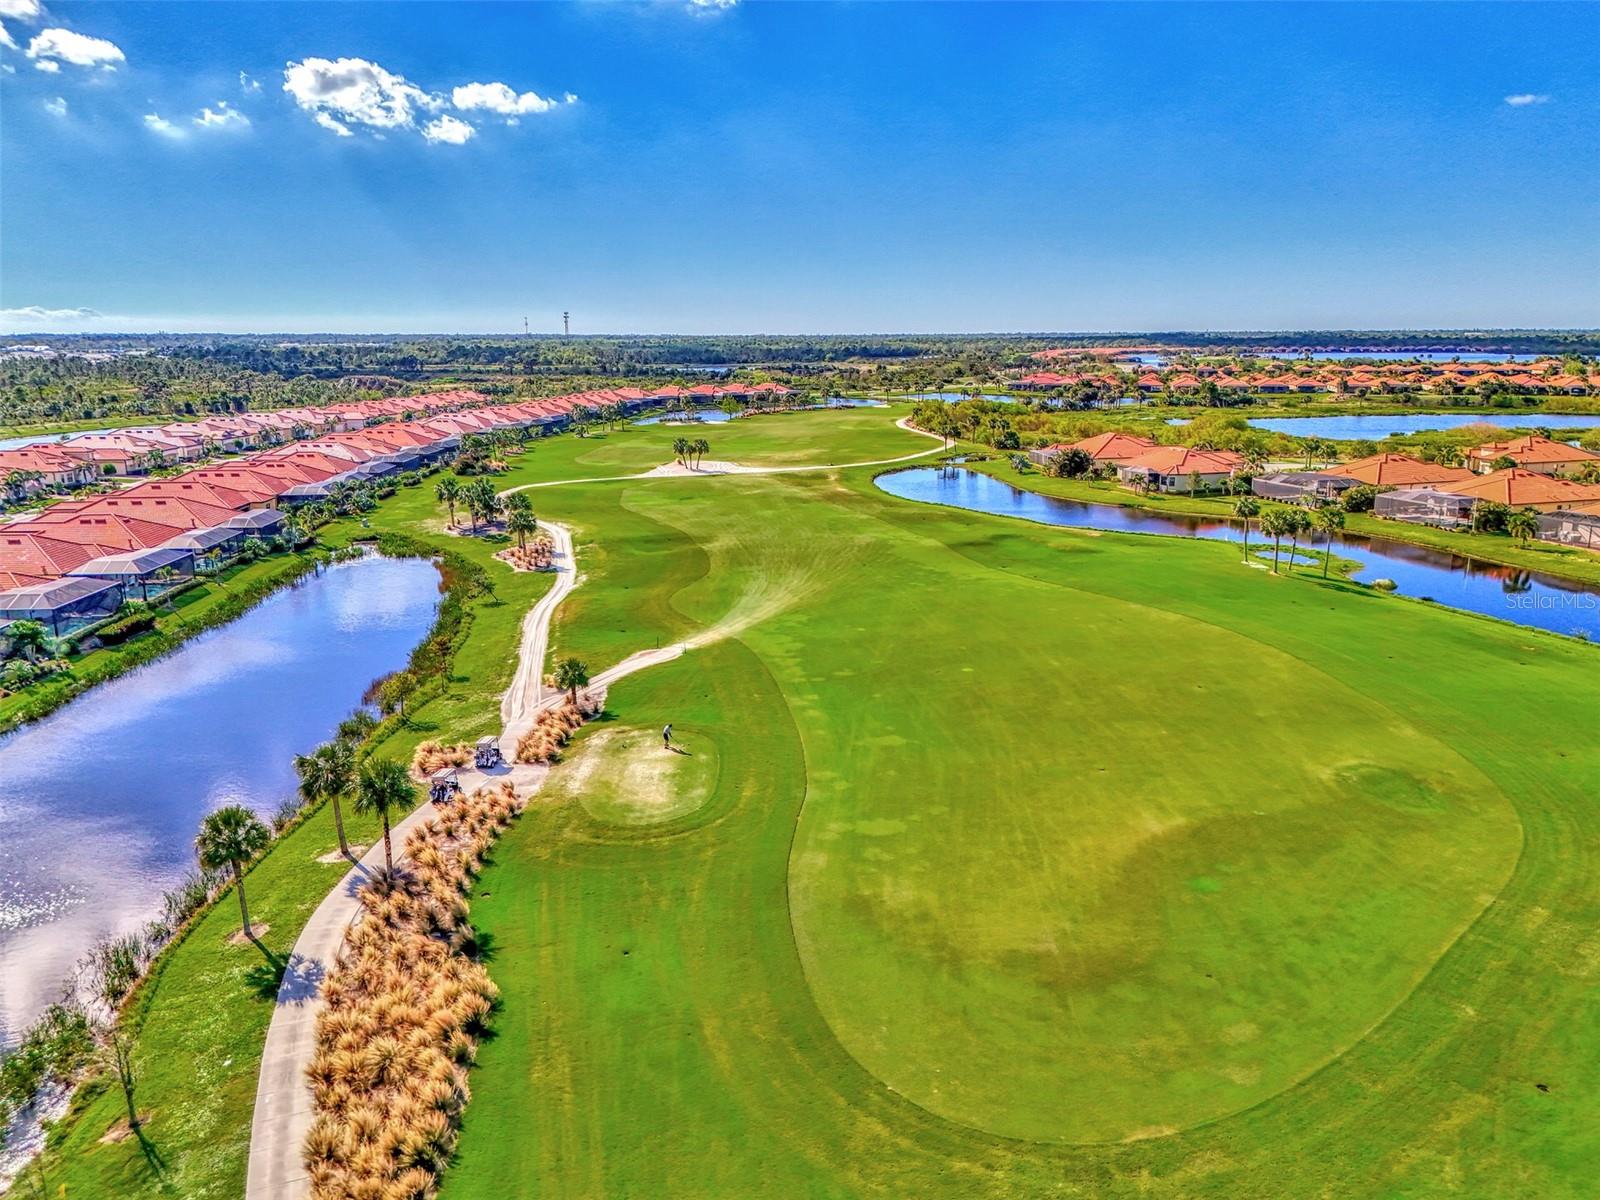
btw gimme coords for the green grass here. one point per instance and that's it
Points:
(202, 1017)
(1041, 862)
(1010, 843)
(1564, 561)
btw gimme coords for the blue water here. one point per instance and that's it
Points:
(1379, 427)
(952, 397)
(99, 802)
(1522, 597)
(715, 416)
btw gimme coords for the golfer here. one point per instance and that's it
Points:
(666, 736)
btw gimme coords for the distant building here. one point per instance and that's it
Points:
(1533, 453)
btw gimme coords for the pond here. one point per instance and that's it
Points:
(715, 416)
(99, 802)
(1366, 425)
(1523, 597)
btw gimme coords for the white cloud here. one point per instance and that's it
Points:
(159, 124)
(56, 107)
(712, 6)
(449, 130)
(249, 84)
(1523, 99)
(54, 46)
(353, 91)
(34, 315)
(337, 127)
(499, 98)
(221, 117)
(6, 39)
(20, 10)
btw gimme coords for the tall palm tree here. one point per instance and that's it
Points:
(1328, 519)
(521, 522)
(1274, 525)
(1296, 522)
(701, 448)
(571, 674)
(384, 786)
(448, 492)
(231, 837)
(326, 774)
(1523, 524)
(1246, 507)
(680, 449)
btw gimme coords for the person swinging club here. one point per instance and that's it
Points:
(666, 736)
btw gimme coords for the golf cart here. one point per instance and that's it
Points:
(444, 785)
(487, 753)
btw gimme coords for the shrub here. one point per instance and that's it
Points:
(120, 630)
(1359, 499)
(552, 728)
(404, 1011)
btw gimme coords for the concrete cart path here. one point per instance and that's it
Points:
(283, 1108)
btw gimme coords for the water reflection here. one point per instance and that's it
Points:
(1510, 593)
(99, 802)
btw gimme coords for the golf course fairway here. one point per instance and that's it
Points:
(1024, 861)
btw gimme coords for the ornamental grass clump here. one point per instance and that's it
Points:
(431, 756)
(553, 728)
(404, 1012)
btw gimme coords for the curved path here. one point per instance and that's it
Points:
(283, 1108)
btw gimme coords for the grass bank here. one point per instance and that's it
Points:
(201, 1015)
(1027, 870)
(1564, 562)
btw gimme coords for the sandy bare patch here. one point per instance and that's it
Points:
(333, 856)
(121, 1131)
(626, 777)
(237, 937)
(1146, 1132)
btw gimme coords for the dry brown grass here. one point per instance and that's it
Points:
(430, 756)
(537, 555)
(404, 1011)
(552, 729)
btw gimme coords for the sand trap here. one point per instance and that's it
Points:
(624, 777)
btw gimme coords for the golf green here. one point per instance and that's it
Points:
(1035, 862)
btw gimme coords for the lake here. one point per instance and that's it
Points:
(1377, 428)
(99, 802)
(715, 416)
(1522, 597)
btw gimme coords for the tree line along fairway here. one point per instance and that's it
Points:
(1039, 861)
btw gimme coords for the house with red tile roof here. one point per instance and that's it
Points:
(1180, 469)
(1105, 448)
(1532, 453)
(54, 467)
(1525, 489)
(1398, 470)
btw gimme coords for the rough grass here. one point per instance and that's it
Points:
(1044, 864)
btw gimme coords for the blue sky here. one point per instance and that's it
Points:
(797, 167)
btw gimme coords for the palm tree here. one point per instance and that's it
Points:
(521, 522)
(680, 449)
(1244, 508)
(448, 492)
(1274, 525)
(28, 638)
(571, 674)
(383, 787)
(1296, 522)
(1328, 519)
(326, 774)
(483, 502)
(231, 837)
(1523, 524)
(700, 447)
